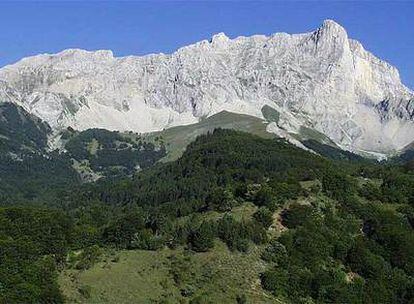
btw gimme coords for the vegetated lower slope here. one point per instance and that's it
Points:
(331, 151)
(20, 130)
(30, 172)
(314, 231)
(101, 153)
(405, 157)
(224, 159)
(27, 163)
(176, 139)
(26, 167)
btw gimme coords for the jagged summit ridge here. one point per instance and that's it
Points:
(322, 80)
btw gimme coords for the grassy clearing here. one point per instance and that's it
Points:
(363, 181)
(308, 133)
(84, 170)
(270, 114)
(169, 276)
(177, 138)
(93, 146)
(309, 185)
(131, 277)
(243, 212)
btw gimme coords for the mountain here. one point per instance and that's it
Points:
(320, 80)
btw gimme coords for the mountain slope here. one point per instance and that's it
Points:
(21, 131)
(178, 138)
(28, 171)
(100, 153)
(237, 219)
(321, 80)
(329, 235)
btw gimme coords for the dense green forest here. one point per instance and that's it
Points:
(322, 230)
(27, 169)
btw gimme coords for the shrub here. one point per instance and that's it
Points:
(241, 299)
(87, 257)
(221, 199)
(264, 197)
(146, 240)
(241, 245)
(264, 216)
(202, 239)
(275, 281)
(275, 252)
(85, 291)
(296, 215)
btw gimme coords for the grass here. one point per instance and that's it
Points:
(243, 212)
(375, 181)
(270, 114)
(177, 138)
(169, 276)
(308, 185)
(307, 133)
(137, 277)
(93, 146)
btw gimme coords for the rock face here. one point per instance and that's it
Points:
(321, 80)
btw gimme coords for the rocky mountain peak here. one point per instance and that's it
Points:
(333, 28)
(219, 38)
(331, 36)
(320, 80)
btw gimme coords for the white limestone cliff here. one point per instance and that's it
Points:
(321, 80)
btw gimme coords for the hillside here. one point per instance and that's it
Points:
(99, 153)
(31, 153)
(178, 138)
(237, 217)
(32, 171)
(26, 164)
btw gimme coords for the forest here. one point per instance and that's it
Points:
(344, 224)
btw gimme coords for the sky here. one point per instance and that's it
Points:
(386, 28)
